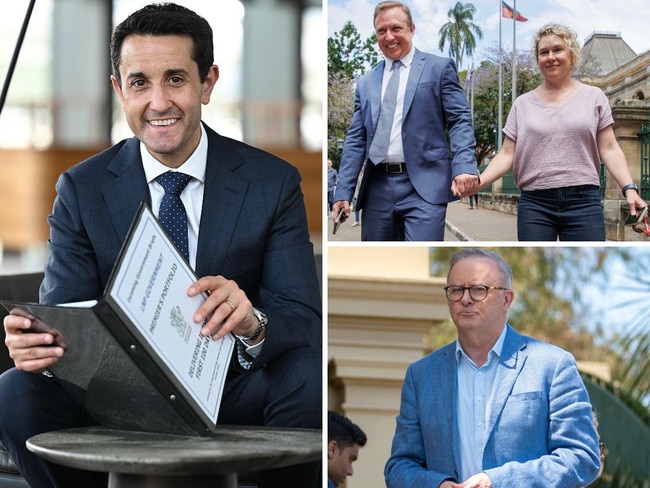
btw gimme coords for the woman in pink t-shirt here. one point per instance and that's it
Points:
(556, 137)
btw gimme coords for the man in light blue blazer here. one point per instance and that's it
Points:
(429, 146)
(495, 408)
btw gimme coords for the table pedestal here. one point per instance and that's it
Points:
(117, 480)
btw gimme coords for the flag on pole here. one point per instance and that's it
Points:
(509, 13)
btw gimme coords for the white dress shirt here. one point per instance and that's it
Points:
(192, 198)
(395, 147)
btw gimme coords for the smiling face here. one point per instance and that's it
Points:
(161, 94)
(394, 34)
(554, 57)
(488, 315)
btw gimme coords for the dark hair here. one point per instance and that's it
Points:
(166, 19)
(342, 430)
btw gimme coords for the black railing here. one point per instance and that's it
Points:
(644, 141)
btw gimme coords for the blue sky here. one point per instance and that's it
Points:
(583, 16)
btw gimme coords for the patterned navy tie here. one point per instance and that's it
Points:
(379, 145)
(172, 213)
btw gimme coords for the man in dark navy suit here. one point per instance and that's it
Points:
(247, 240)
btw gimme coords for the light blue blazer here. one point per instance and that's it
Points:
(437, 132)
(541, 432)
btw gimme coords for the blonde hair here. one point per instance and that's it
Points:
(568, 36)
(381, 6)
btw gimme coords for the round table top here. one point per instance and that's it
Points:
(230, 449)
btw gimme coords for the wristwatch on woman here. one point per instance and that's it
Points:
(630, 186)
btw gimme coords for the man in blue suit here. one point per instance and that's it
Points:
(247, 240)
(494, 408)
(416, 152)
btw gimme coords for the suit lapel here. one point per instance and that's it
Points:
(124, 193)
(223, 201)
(513, 357)
(450, 409)
(417, 67)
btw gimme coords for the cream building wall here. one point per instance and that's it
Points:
(381, 303)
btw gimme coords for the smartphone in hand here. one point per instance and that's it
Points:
(633, 220)
(337, 222)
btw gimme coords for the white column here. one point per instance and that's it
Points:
(81, 89)
(271, 74)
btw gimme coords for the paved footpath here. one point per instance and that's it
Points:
(462, 225)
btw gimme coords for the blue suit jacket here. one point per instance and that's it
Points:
(437, 132)
(541, 432)
(253, 230)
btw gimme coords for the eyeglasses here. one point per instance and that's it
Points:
(478, 293)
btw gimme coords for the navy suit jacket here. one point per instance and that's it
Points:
(437, 132)
(253, 230)
(541, 432)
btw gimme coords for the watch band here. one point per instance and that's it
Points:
(630, 186)
(262, 320)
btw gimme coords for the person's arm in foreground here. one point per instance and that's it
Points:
(287, 292)
(407, 463)
(352, 157)
(614, 159)
(573, 459)
(499, 166)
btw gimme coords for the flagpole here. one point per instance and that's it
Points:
(514, 52)
(471, 87)
(500, 119)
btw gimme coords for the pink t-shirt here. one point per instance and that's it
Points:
(556, 146)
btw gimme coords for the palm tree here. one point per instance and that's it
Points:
(458, 32)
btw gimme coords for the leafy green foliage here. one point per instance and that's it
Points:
(347, 54)
(348, 57)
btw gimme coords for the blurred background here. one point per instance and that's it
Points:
(60, 107)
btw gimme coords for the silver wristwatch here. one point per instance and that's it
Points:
(262, 320)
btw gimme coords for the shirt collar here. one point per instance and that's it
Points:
(193, 166)
(406, 60)
(496, 350)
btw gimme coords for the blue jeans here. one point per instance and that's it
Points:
(573, 213)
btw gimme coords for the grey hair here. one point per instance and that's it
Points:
(504, 268)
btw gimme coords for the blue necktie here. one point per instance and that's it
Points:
(172, 213)
(379, 146)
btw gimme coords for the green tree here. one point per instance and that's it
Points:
(348, 57)
(340, 106)
(459, 32)
(348, 54)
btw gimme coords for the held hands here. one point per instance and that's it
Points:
(33, 352)
(465, 184)
(227, 309)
